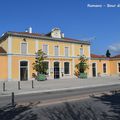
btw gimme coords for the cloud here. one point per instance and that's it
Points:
(115, 48)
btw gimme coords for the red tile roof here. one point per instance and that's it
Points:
(97, 56)
(116, 56)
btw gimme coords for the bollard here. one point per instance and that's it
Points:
(4, 86)
(13, 99)
(32, 84)
(19, 88)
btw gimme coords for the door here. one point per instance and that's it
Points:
(23, 70)
(94, 69)
(56, 70)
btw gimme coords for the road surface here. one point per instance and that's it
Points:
(57, 96)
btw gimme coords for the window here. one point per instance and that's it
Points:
(23, 70)
(45, 49)
(66, 51)
(81, 51)
(23, 63)
(94, 70)
(104, 68)
(118, 67)
(66, 68)
(23, 48)
(56, 51)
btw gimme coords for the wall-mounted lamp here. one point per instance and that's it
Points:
(24, 39)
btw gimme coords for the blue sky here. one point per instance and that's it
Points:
(73, 17)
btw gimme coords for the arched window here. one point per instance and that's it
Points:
(66, 68)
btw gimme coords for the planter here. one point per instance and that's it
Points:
(83, 75)
(41, 77)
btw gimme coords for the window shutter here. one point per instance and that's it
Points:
(56, 50)
(81, 51)
(23, 48)
(45, 49)
(66, 51)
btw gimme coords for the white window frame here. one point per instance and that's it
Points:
(80, 51)
(68, 51)
(58, 51)
(21, 46)
(47, 48)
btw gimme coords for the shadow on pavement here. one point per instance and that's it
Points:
(17, 113)
(73, 112)
(91, 109)
(114, 102)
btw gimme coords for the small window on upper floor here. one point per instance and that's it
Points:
(66, 51)
(56, 50)
(104, 68)
(23, 48)
(81, 51)
(45, 49)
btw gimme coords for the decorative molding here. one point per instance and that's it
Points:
(9, 58)
(73, 50)
(9, 45)
(36, 45)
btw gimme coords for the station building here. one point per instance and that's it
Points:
(17, 54)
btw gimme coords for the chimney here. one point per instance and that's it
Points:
(30, 29)
(62, 35)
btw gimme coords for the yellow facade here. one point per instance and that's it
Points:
(99, 67)
(3, 67)
(111, 66)
(114, 67)
(12, 68)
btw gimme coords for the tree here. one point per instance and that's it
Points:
(108, 54)
(82, 66)
(39, 65)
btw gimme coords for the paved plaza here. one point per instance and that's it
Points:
(55, 85)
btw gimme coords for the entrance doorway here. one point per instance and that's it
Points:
(23, 70)
(56, 70)
(94, 69)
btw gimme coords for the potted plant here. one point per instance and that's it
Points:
(81, 67)
(40, 66)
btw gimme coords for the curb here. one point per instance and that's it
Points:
(59, 90)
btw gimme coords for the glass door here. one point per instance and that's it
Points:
(56, 70)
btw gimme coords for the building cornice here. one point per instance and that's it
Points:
(43, 37)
